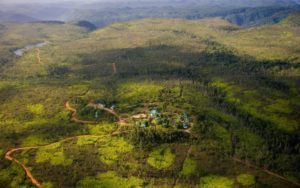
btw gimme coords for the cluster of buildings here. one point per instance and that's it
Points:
(156, 117)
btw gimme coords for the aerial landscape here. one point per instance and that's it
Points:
(150, 93)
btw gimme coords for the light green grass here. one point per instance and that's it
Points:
(246, 179)
(37, 109)
(279, 106)
(54, 154)
(161, 158)
(216, 182)
(138, 92)
(47, 185)
(34, 140)
(110, 180)
(87, 140)
(101, 129)
(112, 148)
(189, 167)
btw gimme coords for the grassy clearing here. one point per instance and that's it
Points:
(246, 179)
(189, 167)
(161, 158)
(139, 92)
(47, 185)
(54, 154)
(34, 140)
(87, 140)
(101, 129)
(216, 182)
(111, 149)
(36, 109)
(278, 110)
(110, 180)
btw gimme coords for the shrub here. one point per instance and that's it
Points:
(214, 181)
(58, 70)
(86, 140)
(246, 179)
(110, 180)
(111, 150)
(53, 154)
(161, 158)
(36, 109)
(189, 167)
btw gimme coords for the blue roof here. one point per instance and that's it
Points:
(154, 111)
(185, 125)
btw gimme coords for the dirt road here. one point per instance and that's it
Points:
(38, 57)
(9, 156)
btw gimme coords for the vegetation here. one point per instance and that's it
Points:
(161, 158)
(246, 179)
(110, 180)
(52, 154)
(238, 86)
(216, 182)
(189, 167)
(112, 149)
(87, 140)
(36, 109)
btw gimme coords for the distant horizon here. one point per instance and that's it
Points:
(141, 1)
(46, 1)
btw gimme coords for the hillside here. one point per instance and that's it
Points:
(243, 13)
(103, 12)
(151, 103)
(7, 17)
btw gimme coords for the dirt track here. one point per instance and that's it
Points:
(187, 154)
(264, 170)
(38, 52)
(9, 157)
(35, 182)
(121, 122)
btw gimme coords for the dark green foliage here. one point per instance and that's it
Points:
(259, 16)
(87, 25)
(151, 137)
(58, 70)
(240, 106)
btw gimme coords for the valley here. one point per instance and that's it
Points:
(150, 103)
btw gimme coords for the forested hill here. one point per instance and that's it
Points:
(240, 12)
(259, 16)
(240, 16)
(15, 17)
(150, 103)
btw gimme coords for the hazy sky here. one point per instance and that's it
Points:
(47, 1)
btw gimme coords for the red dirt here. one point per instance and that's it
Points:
(122, 123)
(114, 68)
(9, 157)
(38, 52)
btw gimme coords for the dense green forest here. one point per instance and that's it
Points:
(151, 103)
(244, 16)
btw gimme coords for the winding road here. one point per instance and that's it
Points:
(33, 180)
(38, 57)
(121, 123)
(9, 156)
